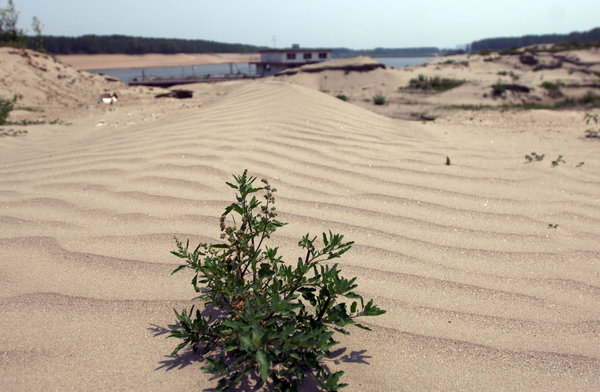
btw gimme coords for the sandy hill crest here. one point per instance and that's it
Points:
(50, 88)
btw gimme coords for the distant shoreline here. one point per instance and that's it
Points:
(115, 61)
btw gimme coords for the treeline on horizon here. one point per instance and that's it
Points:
(122, 44)
(526, 40)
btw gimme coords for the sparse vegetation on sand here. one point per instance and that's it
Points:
(513, 75)
(551, 87)
(6, 106)
(436, 83)
(534, 157)
(558, 161)
(12, 132)
(594, 131)
(342, 96)
(265, 319)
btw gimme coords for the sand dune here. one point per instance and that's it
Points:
(480, 293)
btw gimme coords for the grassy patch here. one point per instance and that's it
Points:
(551, 87)
(436, 83)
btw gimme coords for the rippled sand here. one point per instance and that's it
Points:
(480, 293)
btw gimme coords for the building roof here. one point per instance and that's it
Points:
(292, 50)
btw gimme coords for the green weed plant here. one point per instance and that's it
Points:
(263, 318)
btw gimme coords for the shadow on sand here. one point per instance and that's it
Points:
(189, 357)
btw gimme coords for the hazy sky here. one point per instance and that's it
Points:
(358, 24)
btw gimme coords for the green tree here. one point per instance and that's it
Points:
(10, 34)
(38, 43)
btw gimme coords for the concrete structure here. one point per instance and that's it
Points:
(273, 61)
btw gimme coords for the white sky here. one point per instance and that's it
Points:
(357, 24)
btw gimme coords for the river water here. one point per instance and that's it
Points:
(128, 74)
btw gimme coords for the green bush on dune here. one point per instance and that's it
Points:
(265, 319)
(379, 99)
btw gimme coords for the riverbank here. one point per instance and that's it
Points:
(104, 61)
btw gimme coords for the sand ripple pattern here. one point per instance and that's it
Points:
(480, 293)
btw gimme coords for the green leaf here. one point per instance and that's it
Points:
(179, 347)
(264, 365)
(179, 268)
(253, 190)
(220, 246)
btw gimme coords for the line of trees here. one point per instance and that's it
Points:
(518, 42)
(11, 35)
(95, 44)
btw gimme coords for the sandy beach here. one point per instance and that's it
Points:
(112, 61)
(489, 268)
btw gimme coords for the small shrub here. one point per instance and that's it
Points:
(264, 317)
(551, 87)
(499, 89)
(590, 99)
(591, 132)
(342, 96)
(379, 99)
(6, 106)
(502, 73)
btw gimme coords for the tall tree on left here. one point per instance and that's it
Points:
(10, 34)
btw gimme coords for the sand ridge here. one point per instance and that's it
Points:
(480, 293)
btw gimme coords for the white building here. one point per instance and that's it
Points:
(273, 61)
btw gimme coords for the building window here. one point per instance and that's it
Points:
(322, 55)
(291, 56)
(307, 56)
